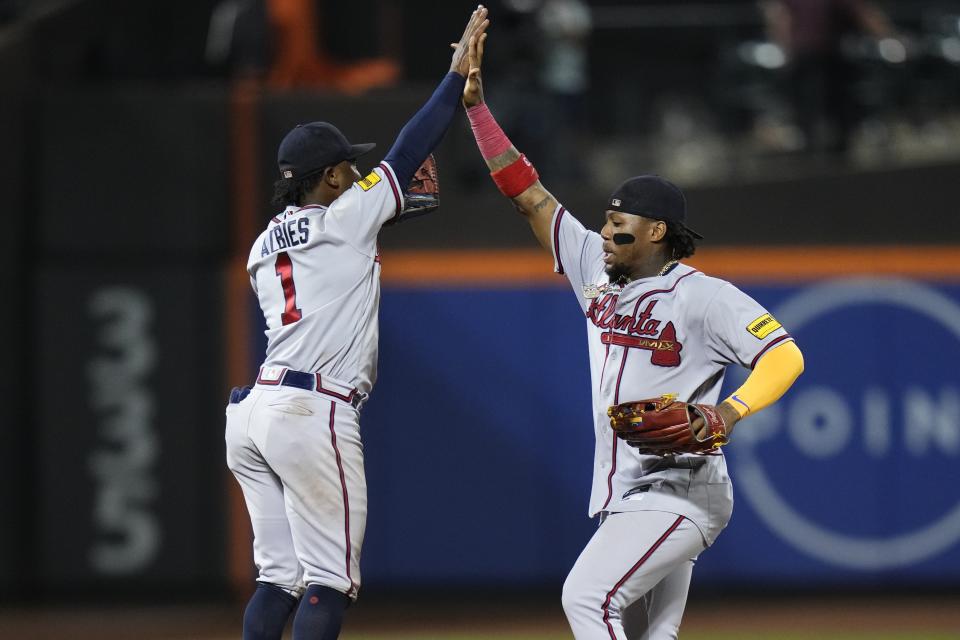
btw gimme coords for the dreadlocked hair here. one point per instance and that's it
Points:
(293, 191)
(681, 242)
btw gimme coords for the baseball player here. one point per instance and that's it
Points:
(655, 326)
(293, 441)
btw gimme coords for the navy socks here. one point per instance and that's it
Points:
(267, 612)
(320, 614)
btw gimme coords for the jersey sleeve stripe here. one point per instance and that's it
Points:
(558, 266)
(785, 336)
(392, 179)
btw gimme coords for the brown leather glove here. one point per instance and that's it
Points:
(664, 426)
(423, 193)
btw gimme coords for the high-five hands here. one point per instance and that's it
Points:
(473, 90)
(474, 30)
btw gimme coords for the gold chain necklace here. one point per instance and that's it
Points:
(667, 267)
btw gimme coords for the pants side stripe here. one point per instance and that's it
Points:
(346, 497)
(633, 569)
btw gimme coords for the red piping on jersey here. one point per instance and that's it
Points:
(387, 171)
(626, 352)
(616, 390)
(610, 477)
(606, 603)
(346, 497)
(786, 336)
(604, 367)
(340, 396)
(650, 293)
(556, 239)
(613, 469)
(274, 383)
(613, 462)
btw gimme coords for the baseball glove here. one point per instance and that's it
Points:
(664, 426)
(423, 194)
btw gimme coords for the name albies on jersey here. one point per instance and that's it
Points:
(316, 273)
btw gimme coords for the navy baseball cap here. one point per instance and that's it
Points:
(653, 197)
(310, 148)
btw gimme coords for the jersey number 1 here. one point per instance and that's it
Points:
(285, 270)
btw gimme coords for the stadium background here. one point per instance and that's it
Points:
(137, 159)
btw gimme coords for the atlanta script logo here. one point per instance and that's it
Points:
(640, 330)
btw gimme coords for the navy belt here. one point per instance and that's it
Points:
(299, 379)
(307, 382)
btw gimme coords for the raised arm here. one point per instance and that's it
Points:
(511, 171)
(426, 128)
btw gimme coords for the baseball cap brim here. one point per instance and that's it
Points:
(692, 232)
(357, 150)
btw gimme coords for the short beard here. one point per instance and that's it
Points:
(616, 274)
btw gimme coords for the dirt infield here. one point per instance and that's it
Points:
(806, 618)
(835, 618)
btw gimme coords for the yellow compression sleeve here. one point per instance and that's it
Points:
(771, 377)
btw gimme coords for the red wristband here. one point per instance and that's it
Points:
(515, 178)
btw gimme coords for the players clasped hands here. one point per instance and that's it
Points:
(655, 326)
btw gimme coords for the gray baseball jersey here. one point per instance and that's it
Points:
(295, 451)
(316, 272)
(674, 333)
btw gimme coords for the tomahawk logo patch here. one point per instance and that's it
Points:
(370, 181)
(763, 326)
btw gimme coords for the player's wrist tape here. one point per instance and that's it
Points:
(515, 178)
(491, 139)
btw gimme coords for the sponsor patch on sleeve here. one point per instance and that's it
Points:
(763, 326)
(370, 181)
